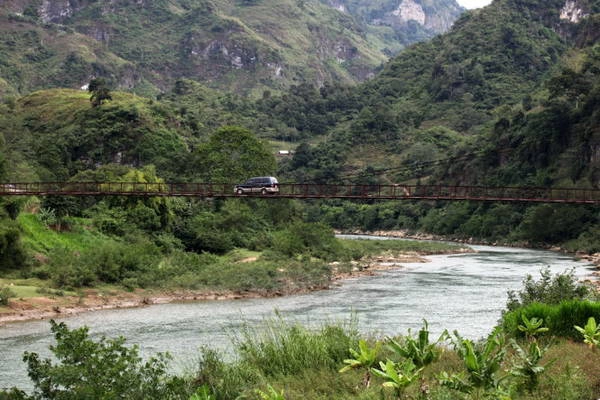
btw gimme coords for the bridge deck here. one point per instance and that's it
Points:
(308, 191)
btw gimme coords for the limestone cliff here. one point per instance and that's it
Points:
(434, 16)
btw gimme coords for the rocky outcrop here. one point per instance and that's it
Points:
(55, 10)
(435, 16)
(408, 10)
(437, 21)
(338, 5)
(572, 11)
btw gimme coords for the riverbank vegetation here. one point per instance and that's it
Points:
(259, 258)
(284, 360)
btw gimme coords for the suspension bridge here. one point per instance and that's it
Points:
(308, 191)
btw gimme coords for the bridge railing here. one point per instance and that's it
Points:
(308, 190)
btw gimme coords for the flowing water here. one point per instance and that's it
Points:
(466, 292)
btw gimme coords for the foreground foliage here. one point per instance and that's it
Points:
(283, 360)
(103, 369)
(287, 361)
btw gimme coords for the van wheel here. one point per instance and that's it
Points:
(263, 191)
(240, 191)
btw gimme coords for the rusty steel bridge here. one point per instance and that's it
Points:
(308, 191)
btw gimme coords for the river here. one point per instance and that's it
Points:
(466, 292)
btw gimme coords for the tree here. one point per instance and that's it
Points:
(232, 154)
(100, 92)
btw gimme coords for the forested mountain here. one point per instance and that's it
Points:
(457, 93)
(473, 93)
(240, 45)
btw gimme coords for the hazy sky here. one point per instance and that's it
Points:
(473, 3)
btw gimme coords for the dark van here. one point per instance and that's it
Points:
(259, 184)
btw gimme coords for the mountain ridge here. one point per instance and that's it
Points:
(243, 46)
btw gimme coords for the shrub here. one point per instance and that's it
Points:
(549, 290)
(47, 216)
(559, 318)
(112, 262)
(5, 294)
(12, 253)
(99, 369)
(315, 239)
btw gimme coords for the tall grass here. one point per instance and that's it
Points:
(276, 350)
(284, 348)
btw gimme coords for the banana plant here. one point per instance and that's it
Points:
(397, 375)
(591, 333)
(482, 363)
(270, 394)
(420, 351)
(532, 327)
(365, 358)
(527, 364)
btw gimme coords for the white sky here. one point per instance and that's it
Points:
(473, 3)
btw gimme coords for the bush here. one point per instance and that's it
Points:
(549, 290)
(315, 239)
(100, 369)
(12, 253)
(5, 295)
(559, 318)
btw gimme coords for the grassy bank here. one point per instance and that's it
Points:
(78, 267)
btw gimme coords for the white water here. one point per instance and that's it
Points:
(466, 292)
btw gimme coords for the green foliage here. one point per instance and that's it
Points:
(47, 216)
(419, 350)
(527, 364)
(590, 333)
(551, 224)
(283, 348)
(314, 239)
(108, 262)
(270, 394)
(548, 289)
(100, 92)
(397, 375)
(12, 252)
(74, 371)
(365, 357)
(232, 154)
(277, 350)
(532, 327)
(482, 362)
(5, 294)
(306, 364)
(559, 318)
(203, 393)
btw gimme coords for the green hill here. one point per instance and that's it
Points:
(56, 133)
(449, 97)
